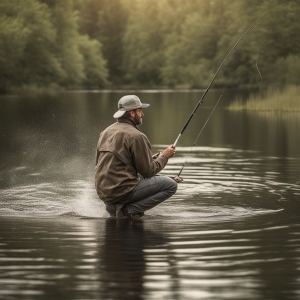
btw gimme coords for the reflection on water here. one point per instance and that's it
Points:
(154, 259)
(230, 232)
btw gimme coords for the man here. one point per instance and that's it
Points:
(125, 168)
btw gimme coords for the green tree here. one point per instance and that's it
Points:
(268, 44)
(26, 44)
(40, 44)
(95, 70)
(106, 21)
(190, 51)
(143, 44)
(68, 41)
(279, 42)
(171, 42)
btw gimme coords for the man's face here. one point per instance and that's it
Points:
(138, 116)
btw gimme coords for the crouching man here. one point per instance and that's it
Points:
(125, 176)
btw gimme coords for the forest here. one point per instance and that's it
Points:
(147, 43)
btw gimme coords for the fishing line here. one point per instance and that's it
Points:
(235, 63)
(206, 91)
(200, 133)
(257, 66)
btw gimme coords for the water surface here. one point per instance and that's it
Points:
(230, 232)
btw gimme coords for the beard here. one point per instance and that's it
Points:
(138, 120)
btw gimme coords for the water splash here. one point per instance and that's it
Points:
(221, 184)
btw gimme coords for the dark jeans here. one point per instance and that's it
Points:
(148, 193)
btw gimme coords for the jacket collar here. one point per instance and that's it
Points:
(128, 121)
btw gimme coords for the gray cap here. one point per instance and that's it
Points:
(127, 103)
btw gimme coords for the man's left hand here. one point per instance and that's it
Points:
(178, 179)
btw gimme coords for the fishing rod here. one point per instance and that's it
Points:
(204, 124)
(200, 133)
(206, 91)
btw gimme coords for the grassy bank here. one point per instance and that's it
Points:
(287, 100)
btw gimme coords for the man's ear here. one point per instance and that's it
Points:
(132, 113)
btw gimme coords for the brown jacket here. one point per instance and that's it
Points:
(123, 152)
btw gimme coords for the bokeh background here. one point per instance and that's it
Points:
(177, 43)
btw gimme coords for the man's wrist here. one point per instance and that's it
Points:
(162, 155)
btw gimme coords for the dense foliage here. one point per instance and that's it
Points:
(147, 42)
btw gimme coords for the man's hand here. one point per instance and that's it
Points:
(169, 152)
(178, 179)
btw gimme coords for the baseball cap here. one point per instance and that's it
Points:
(127, 103)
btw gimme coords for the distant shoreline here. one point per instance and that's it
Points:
(14, 92)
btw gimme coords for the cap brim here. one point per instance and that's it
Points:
(119, 114)
(144, 105)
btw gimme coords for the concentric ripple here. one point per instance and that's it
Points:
(220, 184)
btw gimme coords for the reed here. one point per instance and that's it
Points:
(287, 100)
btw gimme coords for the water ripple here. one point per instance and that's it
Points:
(220, 184)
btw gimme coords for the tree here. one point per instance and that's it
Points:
(26, 43)
(143, 44)
(40, 44)
(171, 42)
(94, 64)
(190, 51)
(77, 48)
(105, 21)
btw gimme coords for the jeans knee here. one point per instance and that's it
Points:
(171, 186)
(174, 186)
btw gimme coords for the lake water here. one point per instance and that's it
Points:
(232, 230)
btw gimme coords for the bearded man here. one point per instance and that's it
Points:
(126, 171)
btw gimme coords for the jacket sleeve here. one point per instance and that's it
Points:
(142, 157)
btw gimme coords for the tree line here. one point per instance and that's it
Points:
(176, 43)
